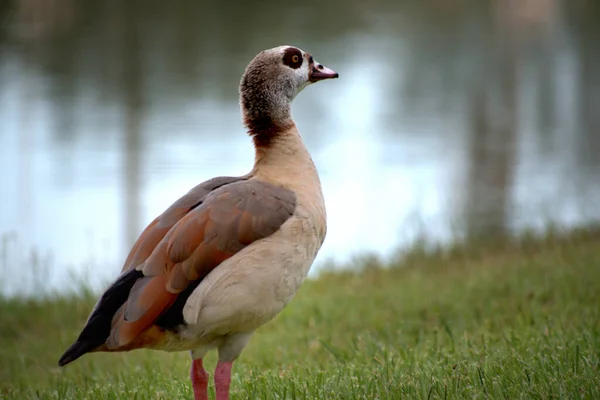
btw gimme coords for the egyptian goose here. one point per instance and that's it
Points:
(228, 256)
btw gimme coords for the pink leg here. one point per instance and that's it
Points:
(199, 378)
(223, 379)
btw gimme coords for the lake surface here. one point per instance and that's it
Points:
(450, 118)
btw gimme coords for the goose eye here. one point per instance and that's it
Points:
(292, 58)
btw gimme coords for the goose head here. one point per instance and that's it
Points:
(271, 81)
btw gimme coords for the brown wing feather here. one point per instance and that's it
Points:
(157, 229)
(150, 302)
(228, 220)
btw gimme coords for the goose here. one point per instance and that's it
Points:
(229, 255)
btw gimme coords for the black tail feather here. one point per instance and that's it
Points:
(76, 350)
(97, 328)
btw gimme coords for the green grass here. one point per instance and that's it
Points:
(510, 319)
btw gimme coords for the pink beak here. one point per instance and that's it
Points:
(319, 72)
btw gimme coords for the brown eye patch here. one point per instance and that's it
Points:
(292, 57)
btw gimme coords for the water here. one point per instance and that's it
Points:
(449, 118)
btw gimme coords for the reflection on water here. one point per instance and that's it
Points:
(450, 118)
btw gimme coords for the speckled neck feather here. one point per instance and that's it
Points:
(265, 102)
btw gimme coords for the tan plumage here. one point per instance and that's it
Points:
(229, 255)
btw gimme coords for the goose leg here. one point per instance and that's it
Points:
(223, 379)
(199, 378)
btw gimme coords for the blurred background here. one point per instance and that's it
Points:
(451, 118)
